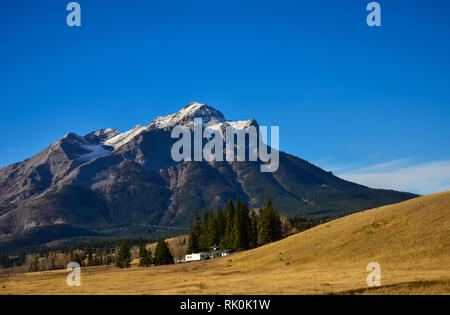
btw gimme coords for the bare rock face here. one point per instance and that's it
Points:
(95, 183)
(102, 135)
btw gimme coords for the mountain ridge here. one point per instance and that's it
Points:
(108, 179)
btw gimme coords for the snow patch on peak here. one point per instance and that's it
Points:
(242, 124)
(95, 151)
(186, 115)
(125, 137)
(101, 135)
(193, 106)
(236, 125)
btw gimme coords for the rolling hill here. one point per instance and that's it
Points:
(410, 240)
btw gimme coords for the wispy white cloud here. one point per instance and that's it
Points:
(330, 164)
(403, 175)
(384, 167)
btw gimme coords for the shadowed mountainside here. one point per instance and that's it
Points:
(105, 182)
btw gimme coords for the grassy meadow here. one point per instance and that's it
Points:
(410, 240)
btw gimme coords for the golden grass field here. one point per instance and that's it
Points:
(410, 240)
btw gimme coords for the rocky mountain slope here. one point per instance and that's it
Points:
(106, 182)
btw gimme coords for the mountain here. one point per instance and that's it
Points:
(110, 184)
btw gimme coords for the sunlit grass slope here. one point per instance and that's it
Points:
(410, 240)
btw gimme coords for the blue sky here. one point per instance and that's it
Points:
(371, 104)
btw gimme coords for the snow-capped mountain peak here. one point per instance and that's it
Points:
(186, 115)
(102, 135)
(212, 118)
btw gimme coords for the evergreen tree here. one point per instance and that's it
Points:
(90, 256)
(212, 233)
(108, 260)
(163, 256)
(194, 236)
(263, 228)
(77, 257)
(253, 232)
(241, 227)
(227, 242)
(204, 239)
(274, 220)
(220, 225)
(143, 254)
(269, 224)
(124, 256)
(99, 258)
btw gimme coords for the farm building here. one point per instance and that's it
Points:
(196, 257)
(225, 253)
(213, 252)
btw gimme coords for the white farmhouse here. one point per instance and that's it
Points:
(196, 257)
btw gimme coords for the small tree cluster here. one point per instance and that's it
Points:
(123, 256)
(236, 229)
(77, 257)
(269, 224)
(163, 256)
(145, 255)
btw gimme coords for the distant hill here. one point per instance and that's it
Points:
(410, 235)
(410, 241)
(107, 183)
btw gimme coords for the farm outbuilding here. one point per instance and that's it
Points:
(196, 257)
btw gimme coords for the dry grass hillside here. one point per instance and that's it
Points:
(410, 240)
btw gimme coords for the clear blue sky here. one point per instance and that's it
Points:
(367, 102)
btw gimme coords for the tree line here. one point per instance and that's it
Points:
(233, 227)
(93, 254)
(237, 228)
(162, 255)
